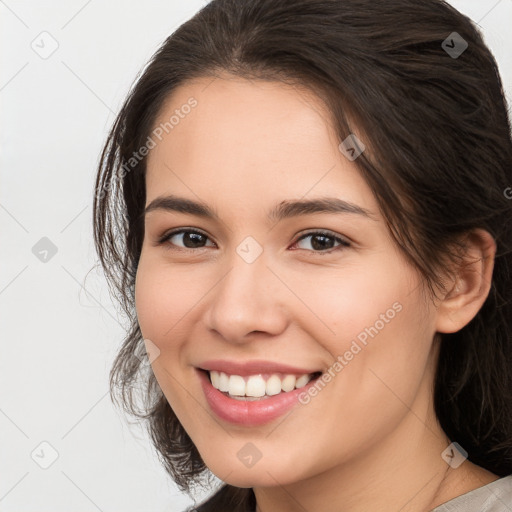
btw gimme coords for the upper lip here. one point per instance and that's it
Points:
(252, 367)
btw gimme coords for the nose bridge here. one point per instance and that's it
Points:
(246, 299)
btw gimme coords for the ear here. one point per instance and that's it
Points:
(469, 285)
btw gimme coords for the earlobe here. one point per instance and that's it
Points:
(470, 285)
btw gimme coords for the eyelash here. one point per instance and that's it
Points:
(343, 243)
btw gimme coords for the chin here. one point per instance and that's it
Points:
(260, 475)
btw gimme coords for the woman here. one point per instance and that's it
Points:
(302, 207)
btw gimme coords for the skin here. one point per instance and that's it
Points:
(370, 439)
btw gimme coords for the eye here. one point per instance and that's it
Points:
(190, 238)
(321, 241)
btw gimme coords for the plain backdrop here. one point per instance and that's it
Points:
(63, 446)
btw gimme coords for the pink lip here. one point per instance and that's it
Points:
(249, 413)
(252, 367)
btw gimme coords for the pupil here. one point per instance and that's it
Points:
(321, 245)
(193, 238)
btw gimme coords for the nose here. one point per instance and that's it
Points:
(249, 299)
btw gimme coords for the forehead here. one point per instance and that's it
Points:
(232, 110)
(244, 137)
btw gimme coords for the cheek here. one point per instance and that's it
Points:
(163, 296)
(148, 301)
(375, 318)
(339, 304)
(385, 350)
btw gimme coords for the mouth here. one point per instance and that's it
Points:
(258, 386)
(230, 396)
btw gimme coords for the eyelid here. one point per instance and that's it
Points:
(319, 231)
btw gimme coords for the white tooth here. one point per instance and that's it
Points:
(288, 383)
(214, 376)
(223, 382)
(255, 386)
(236, 385)
(302, 381)
(273, 386)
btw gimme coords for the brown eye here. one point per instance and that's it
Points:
(323, 241)
(185, 239)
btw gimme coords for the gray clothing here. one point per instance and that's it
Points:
(493, 497)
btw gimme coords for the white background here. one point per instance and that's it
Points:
(59, 330)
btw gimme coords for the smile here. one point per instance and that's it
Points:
(254, 387)
(251, 394)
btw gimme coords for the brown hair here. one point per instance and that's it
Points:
(438, 159)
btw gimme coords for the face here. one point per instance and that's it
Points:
(310, 290)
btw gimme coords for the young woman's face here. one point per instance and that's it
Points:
(255, 288)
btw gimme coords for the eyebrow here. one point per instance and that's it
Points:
(283, 210)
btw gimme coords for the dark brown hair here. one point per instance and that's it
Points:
(438, 160)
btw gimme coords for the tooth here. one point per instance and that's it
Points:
(302, 381)
(223, 382)
(236, 385)
(288, 383)
(214, 376)
(255, 386)
(273, 386)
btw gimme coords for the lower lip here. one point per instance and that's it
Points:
(249, 413)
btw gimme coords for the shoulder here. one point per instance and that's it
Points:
(493, 497)
(228, 499)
